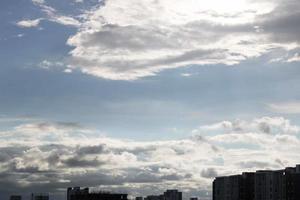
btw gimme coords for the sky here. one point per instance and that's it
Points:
(140, 96)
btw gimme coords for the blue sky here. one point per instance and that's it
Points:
(124, 71)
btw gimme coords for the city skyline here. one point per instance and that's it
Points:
(79, 193)
(146, 95)
(254, 185)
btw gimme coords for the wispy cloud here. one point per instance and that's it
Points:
(55, 65)
(46, 64)
(51, 15)
(266, 125)
(294, 58)
(64, 20)
(285, 107)
(29, 23)
(38, 1)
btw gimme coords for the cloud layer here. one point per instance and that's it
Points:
(52, 156)
(51, 15)
(127, 40)
(285, 107)
(131, 39)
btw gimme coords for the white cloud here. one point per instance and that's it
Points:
(218, 126)
(295, 58)
(38, 1)
(68, 71)
(29, 23)
(75, 154)
(265, 125)
(54, 16)
(20, 35)
(46, 64)
(186, 74)
(130, 39)
(285, 107)
(64, 20)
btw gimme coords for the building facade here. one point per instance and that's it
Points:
(269, 185)
(260, 185)
(227, 188)
(76, 193)
(172, 195)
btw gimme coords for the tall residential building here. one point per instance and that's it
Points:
(260, 185)
(269, 185)
(292, 183)
(227, 188)
(247, 186)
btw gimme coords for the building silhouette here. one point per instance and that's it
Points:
(154, 197)
(83, 194)
(15, 197)
(260, 185)
(71, 191)
(269, 185)
(167, 195)
(291, 183)
(172, 195)
(139, 198)
(39, 196)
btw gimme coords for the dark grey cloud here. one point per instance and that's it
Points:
(152, 174)
(53, 159)
(12, 151)
(81, 162)
(209, 173)
(91, 150)
(119, 37)
(264, 127)
(283, 23)
(44, 126)
(4, 157)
